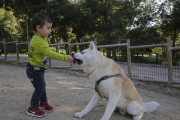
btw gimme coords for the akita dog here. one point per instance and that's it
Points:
(112, 83)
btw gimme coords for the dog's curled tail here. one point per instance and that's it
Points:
(150, 106)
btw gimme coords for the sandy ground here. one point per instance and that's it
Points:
(69, 92)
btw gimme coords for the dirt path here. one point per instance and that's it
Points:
(69, 92)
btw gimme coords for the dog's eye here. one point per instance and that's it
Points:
(82, 52)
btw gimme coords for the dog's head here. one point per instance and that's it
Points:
(87, 57)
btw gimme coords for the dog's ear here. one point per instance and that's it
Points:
(92, 46)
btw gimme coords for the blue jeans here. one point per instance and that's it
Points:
(37, 79)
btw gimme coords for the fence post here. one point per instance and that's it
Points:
(69, 45)
(169, 60)
(129, 58)
(5, 52)
(48, 40)
(17, 50)
(95, 41)
(29, 44)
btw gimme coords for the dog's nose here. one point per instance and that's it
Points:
(73, 54)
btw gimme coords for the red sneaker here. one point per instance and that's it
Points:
(45, 106)
(36, 112)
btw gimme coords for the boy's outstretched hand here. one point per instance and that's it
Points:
(70, 59)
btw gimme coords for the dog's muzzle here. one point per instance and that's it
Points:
(78, 61)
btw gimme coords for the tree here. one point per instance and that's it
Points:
(8, 25)
(170, 26)
(110, 19)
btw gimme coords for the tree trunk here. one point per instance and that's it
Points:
(173, 45)
(114, 54)
(157, 58)
(108, 53)
(80, 47)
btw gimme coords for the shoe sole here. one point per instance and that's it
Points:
(35, 115)
(45, 109)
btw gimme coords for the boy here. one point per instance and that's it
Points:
(36, 66)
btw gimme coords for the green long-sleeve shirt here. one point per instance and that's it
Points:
(38, 48)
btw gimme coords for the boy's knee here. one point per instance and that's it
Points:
(40, 89)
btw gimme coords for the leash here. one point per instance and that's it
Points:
(104, 78)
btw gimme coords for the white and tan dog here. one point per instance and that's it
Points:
(119, 89)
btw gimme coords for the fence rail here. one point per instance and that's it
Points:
(148, 46)
(83, 43)
(174, 48)
(9, 42)
(129, 65)
(112, 45)
(22, 43)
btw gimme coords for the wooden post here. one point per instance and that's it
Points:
(17, 50)
(29, 44)
(169, 60)
(69, 45)
(95, 41)
(5, 52)
(48, 40)
(129, 58)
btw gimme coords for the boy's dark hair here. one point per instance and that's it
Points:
(40, 19)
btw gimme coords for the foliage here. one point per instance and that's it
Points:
(144, 22)
(8, 24)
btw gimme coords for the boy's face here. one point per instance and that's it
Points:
(45, 30)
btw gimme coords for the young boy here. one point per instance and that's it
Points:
(36, 65)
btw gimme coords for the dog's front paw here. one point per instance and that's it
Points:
(79, 114)
(137, 117)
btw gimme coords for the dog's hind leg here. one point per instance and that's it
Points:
(135, 109)
(93, 102)
(122, 110)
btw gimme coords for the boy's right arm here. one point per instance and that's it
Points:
(47, 51)
(70, 59)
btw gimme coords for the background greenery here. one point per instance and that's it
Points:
(111, 21)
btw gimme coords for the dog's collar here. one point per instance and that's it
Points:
(91, 72)
(104, 78)
(95, 68)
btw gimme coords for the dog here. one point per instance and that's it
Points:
(110, 82)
